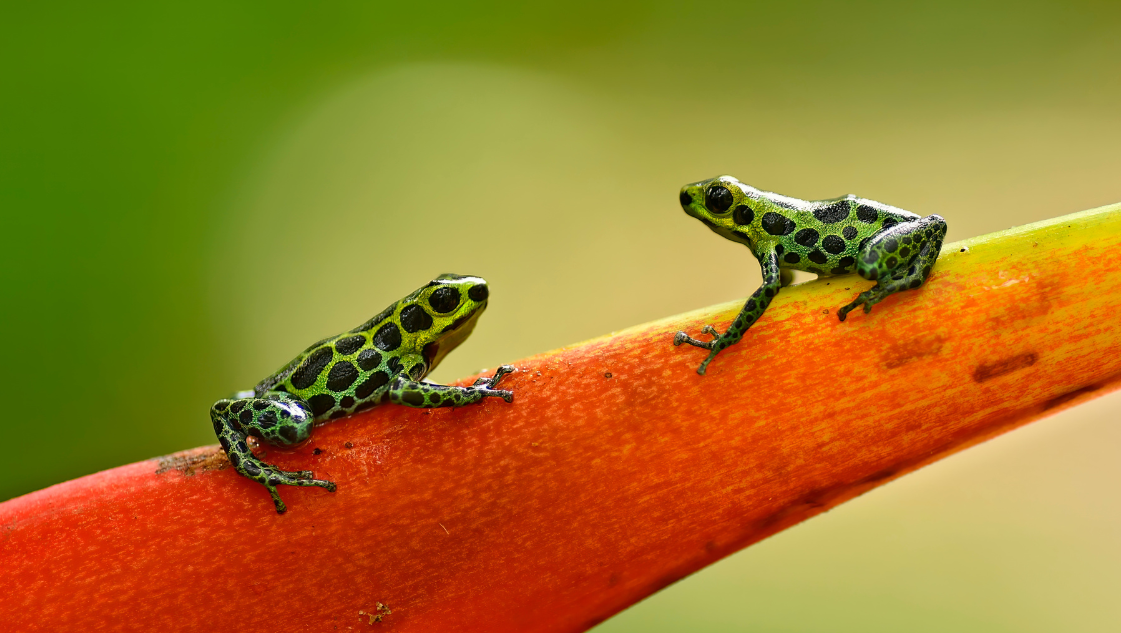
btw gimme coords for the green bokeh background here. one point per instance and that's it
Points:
(190, 194)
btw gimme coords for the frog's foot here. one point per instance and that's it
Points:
(489, 384)
(427, 395)
(682, 337)
(900, 280)
(868, 298)
(718, 343)
(270, 477)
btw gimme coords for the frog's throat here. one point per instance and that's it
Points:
(450, 338)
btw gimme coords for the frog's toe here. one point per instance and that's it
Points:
(682, 337)
(861, 299)
(297, 478)
(508, 396)
(276, 501)
(711, 331)
(492, 382)
(271, 478)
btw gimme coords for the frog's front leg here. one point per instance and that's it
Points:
(414, 393)
(277, 418)
(899, 258)
(749, 314)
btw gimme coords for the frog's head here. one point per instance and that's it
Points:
(724, 204)
(448, 306)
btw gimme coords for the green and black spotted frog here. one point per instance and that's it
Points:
(893, 247)
(384, 359)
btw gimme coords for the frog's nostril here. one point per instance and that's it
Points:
(685, 198)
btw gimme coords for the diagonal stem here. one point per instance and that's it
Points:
(616, 471)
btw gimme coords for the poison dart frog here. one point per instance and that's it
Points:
(384, 359)
(893, 247)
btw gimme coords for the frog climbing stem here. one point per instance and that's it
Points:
(894, 247)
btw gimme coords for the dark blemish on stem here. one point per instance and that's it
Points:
(191, 464)
(1002, 367)
(1058, 401)
(882, 475)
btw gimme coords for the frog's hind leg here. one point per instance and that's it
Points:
(277, 418)
(749, 314)
(426, 395)
(899, 258)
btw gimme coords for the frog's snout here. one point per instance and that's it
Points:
(685, 198)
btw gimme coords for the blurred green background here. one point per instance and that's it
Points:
(191, 194)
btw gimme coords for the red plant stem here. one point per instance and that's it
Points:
(616, 471)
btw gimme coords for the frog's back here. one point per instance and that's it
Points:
(824, 236)
(341, 374)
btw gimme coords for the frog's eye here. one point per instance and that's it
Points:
(445, 299)
(718, 199)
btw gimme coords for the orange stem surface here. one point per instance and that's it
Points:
(616, 471)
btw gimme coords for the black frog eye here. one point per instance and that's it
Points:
(718, 199)
(444, 299)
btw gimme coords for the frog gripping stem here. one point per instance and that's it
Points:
(752, 309)
(276, 418)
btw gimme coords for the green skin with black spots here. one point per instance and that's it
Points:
(382, 360)
(893, 247)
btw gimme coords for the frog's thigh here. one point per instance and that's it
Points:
(279, 418)
(905, 251)
(899, 259)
